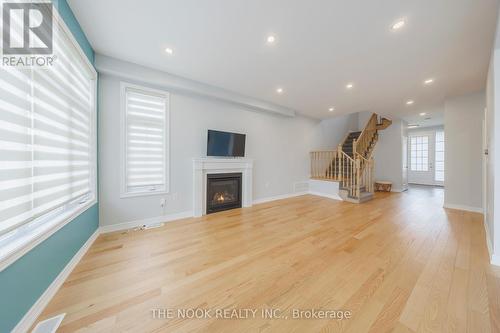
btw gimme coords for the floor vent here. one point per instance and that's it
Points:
(49, 325)
(149, 226)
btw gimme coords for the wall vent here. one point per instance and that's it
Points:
(299, 187)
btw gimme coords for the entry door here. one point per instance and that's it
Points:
(421, 158)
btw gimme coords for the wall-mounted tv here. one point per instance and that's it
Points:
(225, 144)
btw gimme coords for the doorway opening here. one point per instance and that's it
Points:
(426, 153)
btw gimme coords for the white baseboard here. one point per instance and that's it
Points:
(279, 197)
(291, 195)
(494, 259)
(487, 233)
(37, 308)
(464, 207)
(325, 195)
(147, 222)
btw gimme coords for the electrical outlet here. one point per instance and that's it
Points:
(163, 202)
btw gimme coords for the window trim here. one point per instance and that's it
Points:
(411, 152)
(123, 140)
(13, 247)
(439, 181)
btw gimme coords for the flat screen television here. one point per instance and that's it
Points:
(225, 144)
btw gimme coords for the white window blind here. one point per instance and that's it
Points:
(47, 136)
(144, 131)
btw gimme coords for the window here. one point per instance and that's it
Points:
(439, 170)
(419, 153)
(47, 139)
(144, 141)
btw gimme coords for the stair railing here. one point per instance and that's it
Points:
(324, 165)
(349, 176)
(354, 173)
(335, 165)
(362, 144)
(365, 174)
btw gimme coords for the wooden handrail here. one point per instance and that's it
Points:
(361, 156)
(365, 173)
(347, 156)
(370, 120)
(323, 165)
(362, 143)
(353, 173)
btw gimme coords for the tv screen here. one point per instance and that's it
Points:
(225, 144)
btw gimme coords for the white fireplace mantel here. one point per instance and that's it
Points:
(210, 165)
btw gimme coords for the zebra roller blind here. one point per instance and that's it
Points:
(47, 135)
(145, 135)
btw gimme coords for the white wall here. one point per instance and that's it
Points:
(463, 117)
(492, 204)
(278, 144)
(332, 131)
(363, 118)
(489, 211)
(388, 155)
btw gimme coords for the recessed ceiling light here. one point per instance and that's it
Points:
(410, 102)
(398, 24)
(169, 51)
(413, 126)
(349, 86)
(271, 39)
(428, 81)
(279, 90)
(331, 109)
(422, 114)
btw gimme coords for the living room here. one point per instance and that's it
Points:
(249, 166)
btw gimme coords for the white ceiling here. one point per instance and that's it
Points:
(431, 116)
(321, 46)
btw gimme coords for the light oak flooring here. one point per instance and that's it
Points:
(399, 263)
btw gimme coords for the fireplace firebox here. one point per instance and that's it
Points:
(223, 191)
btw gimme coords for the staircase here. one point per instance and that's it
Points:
(352, 163)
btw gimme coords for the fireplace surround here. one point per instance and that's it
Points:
(213, 165)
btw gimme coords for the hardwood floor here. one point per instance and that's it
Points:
(398, 263)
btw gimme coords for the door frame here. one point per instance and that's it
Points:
(431, 132)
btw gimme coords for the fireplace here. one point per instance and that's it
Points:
(205, 166)
(223, 191)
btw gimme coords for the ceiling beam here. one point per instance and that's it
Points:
(174, 83)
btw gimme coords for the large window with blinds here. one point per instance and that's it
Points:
(47, 138)
(145, 116)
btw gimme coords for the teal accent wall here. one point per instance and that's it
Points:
(69, 18)
(24, 281)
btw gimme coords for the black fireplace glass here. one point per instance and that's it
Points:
(223, 191)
